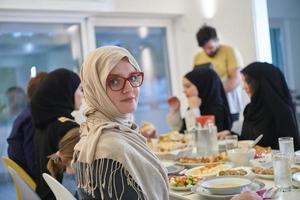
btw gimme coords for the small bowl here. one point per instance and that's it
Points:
(265, 162)
(225, 185)
(241, 156)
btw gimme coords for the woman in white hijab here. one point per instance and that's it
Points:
(112, 160)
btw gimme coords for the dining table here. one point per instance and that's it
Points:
(294, 194)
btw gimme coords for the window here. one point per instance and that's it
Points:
(25, 49)
(149, 47)
(276, 48)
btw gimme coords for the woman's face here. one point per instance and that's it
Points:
(126, 99)
(189, 88)
(246, 86)
(78, 95)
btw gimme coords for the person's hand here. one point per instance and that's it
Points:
(174, 103)
(147, 129)
(194, 102)
(222, 134)
(247, 196)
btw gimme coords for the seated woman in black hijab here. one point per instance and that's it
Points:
(270, 111)
(52, 103)
(206, 96)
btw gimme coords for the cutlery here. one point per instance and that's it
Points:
(182, 172)
(257, 140)
(270, 193)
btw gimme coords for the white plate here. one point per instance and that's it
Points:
(188, 188)
(174, 152)
(191, 172)
(265, 176)
(254, 186)
(247, 169)
(191, 165)
(173, 169)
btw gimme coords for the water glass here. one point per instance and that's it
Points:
(231, 142)
(206, 141)
(286, 146)
(282, 173)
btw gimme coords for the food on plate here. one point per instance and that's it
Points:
(261, 151)
(295, 169)
(168, 142)
(173, 136)
(183, 181)
(205, 159)
(147, 129)
(207, 170)
(269, 171)
(170, 146)
(233, 172)
(263, 171)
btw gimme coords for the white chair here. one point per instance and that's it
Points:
(25, 190)
(60, 192)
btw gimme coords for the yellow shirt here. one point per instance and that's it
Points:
(225, 59)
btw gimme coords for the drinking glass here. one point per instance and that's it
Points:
(282, 173)
(286, 146)
(231, 142)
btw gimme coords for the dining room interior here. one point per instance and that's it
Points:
(214, 151)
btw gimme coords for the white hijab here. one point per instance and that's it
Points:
(108, 134)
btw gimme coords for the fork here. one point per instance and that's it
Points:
(270, 193)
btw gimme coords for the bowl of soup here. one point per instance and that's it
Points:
(228, 185)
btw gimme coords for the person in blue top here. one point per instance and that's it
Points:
(20, 141)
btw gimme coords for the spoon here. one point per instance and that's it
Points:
(257, 140)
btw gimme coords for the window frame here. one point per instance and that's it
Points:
(172, 69)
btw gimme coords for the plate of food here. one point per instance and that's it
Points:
(182, 183)
(268, 173)
(202, 160)
(237, 171)
(174, 169)
(263, 172)
(262, 151)
(295, 169)
(170, 143)
(207, 170)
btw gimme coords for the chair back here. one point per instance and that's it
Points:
(25, 190)
(60, 192)
(21, 172)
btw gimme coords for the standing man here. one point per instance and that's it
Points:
(227, 62)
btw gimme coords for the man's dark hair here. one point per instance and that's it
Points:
(205, 34)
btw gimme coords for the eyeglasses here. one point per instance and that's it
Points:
(117, 83)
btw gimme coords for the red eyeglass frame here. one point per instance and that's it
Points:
(125, 79)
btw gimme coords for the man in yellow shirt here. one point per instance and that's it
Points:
(226, 62)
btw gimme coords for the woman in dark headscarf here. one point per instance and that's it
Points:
(52, 104)
(271, 110)
(206, 95)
